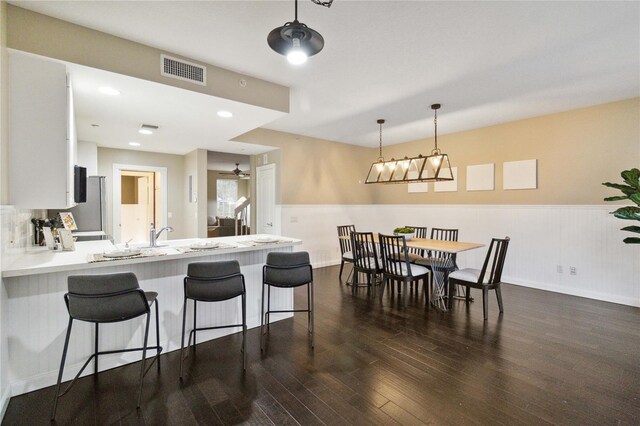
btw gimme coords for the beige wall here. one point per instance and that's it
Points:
(175, 177)
(315, 171)
(195, 212)
(576, 151)
(40, 34)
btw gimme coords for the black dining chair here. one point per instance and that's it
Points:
(416, 254)
(397, 268)
(487, 278)
(366, 260)
(441, 263)
(346, 251)
(102, 299)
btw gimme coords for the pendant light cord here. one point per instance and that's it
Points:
(380, 140)
(296, 2)
(435, 126)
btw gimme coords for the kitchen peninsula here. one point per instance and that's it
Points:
(37, 281)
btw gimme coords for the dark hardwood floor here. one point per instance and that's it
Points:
(550, 358)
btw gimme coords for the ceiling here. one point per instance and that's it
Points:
(485, 62)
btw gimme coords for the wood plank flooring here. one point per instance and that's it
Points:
(549, 359)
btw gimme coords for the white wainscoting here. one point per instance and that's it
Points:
(542, 237)
(37, 318)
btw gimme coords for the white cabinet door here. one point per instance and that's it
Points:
(41, 133)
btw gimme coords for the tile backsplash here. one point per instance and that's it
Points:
(16, 231)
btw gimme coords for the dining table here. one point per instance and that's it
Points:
(438, 294)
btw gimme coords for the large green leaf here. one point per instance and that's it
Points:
(617, 198)
(635, 198)
(624, 188)
(632, 240)
(632, 228)
(632, 178)
(628, 212)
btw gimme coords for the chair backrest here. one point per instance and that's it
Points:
(287, 269)
(494, 262)
(394, 255)
(420, 231)
(214, 281)
(446, 235)
(345, 243)
(365, 254)
(105, 298)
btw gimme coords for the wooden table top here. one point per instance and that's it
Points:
(435, 245)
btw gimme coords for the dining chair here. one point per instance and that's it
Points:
(366, 260)
(439, 261)
(396, 265)
(416, 254)
(346, 251)
(487, 278)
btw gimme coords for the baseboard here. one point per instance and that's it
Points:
(4, 401)
(621, 300)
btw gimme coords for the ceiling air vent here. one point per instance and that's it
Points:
(183, 70)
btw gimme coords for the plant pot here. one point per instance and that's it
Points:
(407, 237)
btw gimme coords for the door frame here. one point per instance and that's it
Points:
(117, 194)
(260, 200)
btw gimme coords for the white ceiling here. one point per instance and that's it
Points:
(187, 120)
(486, 62)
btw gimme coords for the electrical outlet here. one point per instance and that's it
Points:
(572, 270)
(294, 219)
(559, 269)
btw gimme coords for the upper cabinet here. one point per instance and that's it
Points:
(42, 134)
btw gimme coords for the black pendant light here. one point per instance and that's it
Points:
(295, 40)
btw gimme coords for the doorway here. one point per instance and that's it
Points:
(139, 201)
(267, 220)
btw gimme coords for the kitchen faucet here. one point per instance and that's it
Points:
(153, 235)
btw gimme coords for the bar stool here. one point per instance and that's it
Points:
(106, 299)
(287, 270)
(213, 282)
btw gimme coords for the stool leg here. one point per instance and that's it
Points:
(268, 308)
(95, 352)
(261, 317)
(64, 357)
(184, 322)
(244, 332)
(194, 324)
(313, 331)
(144, 357)
(157, 333)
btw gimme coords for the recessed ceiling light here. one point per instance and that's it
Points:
(105, 90)
(225, 114)
(147, 129)
(134, 143)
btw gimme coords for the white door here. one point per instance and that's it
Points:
(266, 200)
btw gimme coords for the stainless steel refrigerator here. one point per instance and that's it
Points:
(91, 216)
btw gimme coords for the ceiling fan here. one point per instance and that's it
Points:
(237, 172)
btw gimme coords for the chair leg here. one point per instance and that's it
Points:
(64, 357)
(261, 317)
(485, 302)
(404, 293)
(450, 294)
(95, 351)
(467, 297)
(184, 322)
(157, 334)
(244, 332)
(268, 314)
(144, 357)
(195, 310)
(313, 329)
(341, 268)
(499, 297)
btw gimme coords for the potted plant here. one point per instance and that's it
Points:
(631, 191)
(407, 232)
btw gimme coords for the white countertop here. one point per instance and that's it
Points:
(42, 260)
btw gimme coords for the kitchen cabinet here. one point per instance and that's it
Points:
(42, 134)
